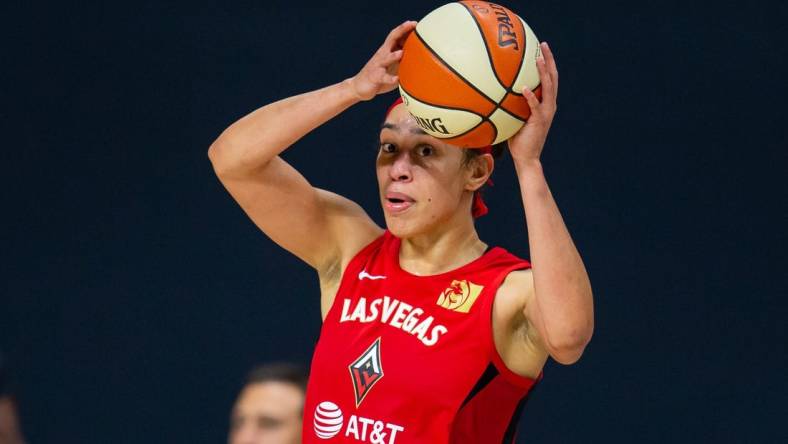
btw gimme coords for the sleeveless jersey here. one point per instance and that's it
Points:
(406, 359)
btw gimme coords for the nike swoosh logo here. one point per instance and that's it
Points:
(364, 275)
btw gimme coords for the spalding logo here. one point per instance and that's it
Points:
(328, 420)
(460, 296)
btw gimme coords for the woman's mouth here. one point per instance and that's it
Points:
(396, 203)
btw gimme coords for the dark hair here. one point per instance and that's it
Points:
(278, 372)
(497, 152)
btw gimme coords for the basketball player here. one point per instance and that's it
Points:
(429, 335)
(270, 406)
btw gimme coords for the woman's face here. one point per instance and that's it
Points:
(422, 180)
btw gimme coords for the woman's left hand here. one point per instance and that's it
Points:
(526, 145)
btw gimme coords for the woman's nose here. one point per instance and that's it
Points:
(401, 168)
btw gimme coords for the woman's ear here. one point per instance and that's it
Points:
(480, 169)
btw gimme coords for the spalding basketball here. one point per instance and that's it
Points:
(463, 70)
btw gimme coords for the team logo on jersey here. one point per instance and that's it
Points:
(366, 371)
(460, 296)
(328, 423)
(328, 420)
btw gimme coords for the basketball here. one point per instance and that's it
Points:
(463, 70)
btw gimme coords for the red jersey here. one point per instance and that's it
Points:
(406, 359)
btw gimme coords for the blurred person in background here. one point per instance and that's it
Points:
(10, 432)
(270, 406)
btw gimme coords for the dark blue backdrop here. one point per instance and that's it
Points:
(136, 294)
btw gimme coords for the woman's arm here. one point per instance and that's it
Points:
(561, 304)
(313, 224)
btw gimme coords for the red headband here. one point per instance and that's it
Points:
(391, 107)
(478, 208)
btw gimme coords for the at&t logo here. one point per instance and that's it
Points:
(329, 422)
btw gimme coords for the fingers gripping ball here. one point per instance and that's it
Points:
(463, 71)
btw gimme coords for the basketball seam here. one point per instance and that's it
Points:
(525, 48)
(495, 131)
(487, 50)
(442, 106)
(484, 119)
(429, 48)
(511, 113)
(522, 61)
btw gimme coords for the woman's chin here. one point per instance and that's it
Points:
(411, 226)
(401, 227)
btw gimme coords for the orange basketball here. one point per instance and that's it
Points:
(463, 70)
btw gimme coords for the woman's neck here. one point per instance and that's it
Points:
(441, 250)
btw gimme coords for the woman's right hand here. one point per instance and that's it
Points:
(379, 75)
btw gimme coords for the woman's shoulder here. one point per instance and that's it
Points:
(508, 258)
(351, 229)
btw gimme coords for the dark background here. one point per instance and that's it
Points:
(136, 293)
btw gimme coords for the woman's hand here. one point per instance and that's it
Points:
(379, 75)
(526, 145)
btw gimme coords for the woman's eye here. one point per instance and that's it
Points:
(387, 147)
(426, 150)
